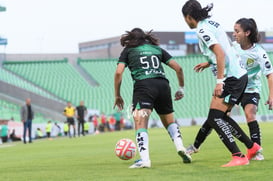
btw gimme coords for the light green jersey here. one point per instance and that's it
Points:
(256, 62)
(210, 33)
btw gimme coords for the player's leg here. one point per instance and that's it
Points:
(82, 123)
(25, 131)
(254, 129)
(216, 121)
(205, 130)
(74, 128)
(249, 103)
(237, 132)
(29, 131)
(164, 107)
(175, 134)
(79, 127)
(141, 118)
(69, 125)
(201, 136)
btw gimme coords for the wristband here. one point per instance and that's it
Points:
(220, 81)
(181, 89)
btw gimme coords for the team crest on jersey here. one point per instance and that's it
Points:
(206, 38)
(267, 65)
(201, 31)
(264, 56)
(249, 62)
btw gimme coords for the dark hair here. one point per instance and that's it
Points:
(250, 25)
(137, 37)
(194, 9)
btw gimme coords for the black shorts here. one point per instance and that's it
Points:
(250, 98)
(234, 89)
(153, 93)
(71, 121)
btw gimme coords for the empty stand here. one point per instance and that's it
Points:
(61, 79)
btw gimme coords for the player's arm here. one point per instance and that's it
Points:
(220, 59)
(64, 112)
(267, 70)
(179, 72)
(74, 112)
(270, 87)
(85, 111)
(201, 66)
(180, 76)
(117, 84)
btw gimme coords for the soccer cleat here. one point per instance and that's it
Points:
(141, 164)
(185, 156)
(253, 151)
(259, 156)
(191, 149)
(237, 161)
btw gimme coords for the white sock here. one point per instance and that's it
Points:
(142, 140)
(176, 136)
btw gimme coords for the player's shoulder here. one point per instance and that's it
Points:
(207, 24)
(260, 51)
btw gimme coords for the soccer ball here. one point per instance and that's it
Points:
(125, 149)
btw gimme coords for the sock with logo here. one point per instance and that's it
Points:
(142, 140)
(176, 136)
(237, 132)
(255, 133)
(215, 120)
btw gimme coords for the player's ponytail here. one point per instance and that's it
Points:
(151, 39)
(194, 9)
(138, 37)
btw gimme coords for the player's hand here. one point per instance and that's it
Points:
(218, 90)
(269, 102)
(201, 66)
(179, 94)
(119, 103)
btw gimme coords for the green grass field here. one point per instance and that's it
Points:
(92, 158)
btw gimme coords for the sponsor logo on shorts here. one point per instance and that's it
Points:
(146, 103)
(234, 99)
(254, 99)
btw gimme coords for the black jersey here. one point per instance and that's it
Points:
(81, 110)
(144, 61)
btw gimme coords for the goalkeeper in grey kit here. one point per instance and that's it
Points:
(144, 58)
